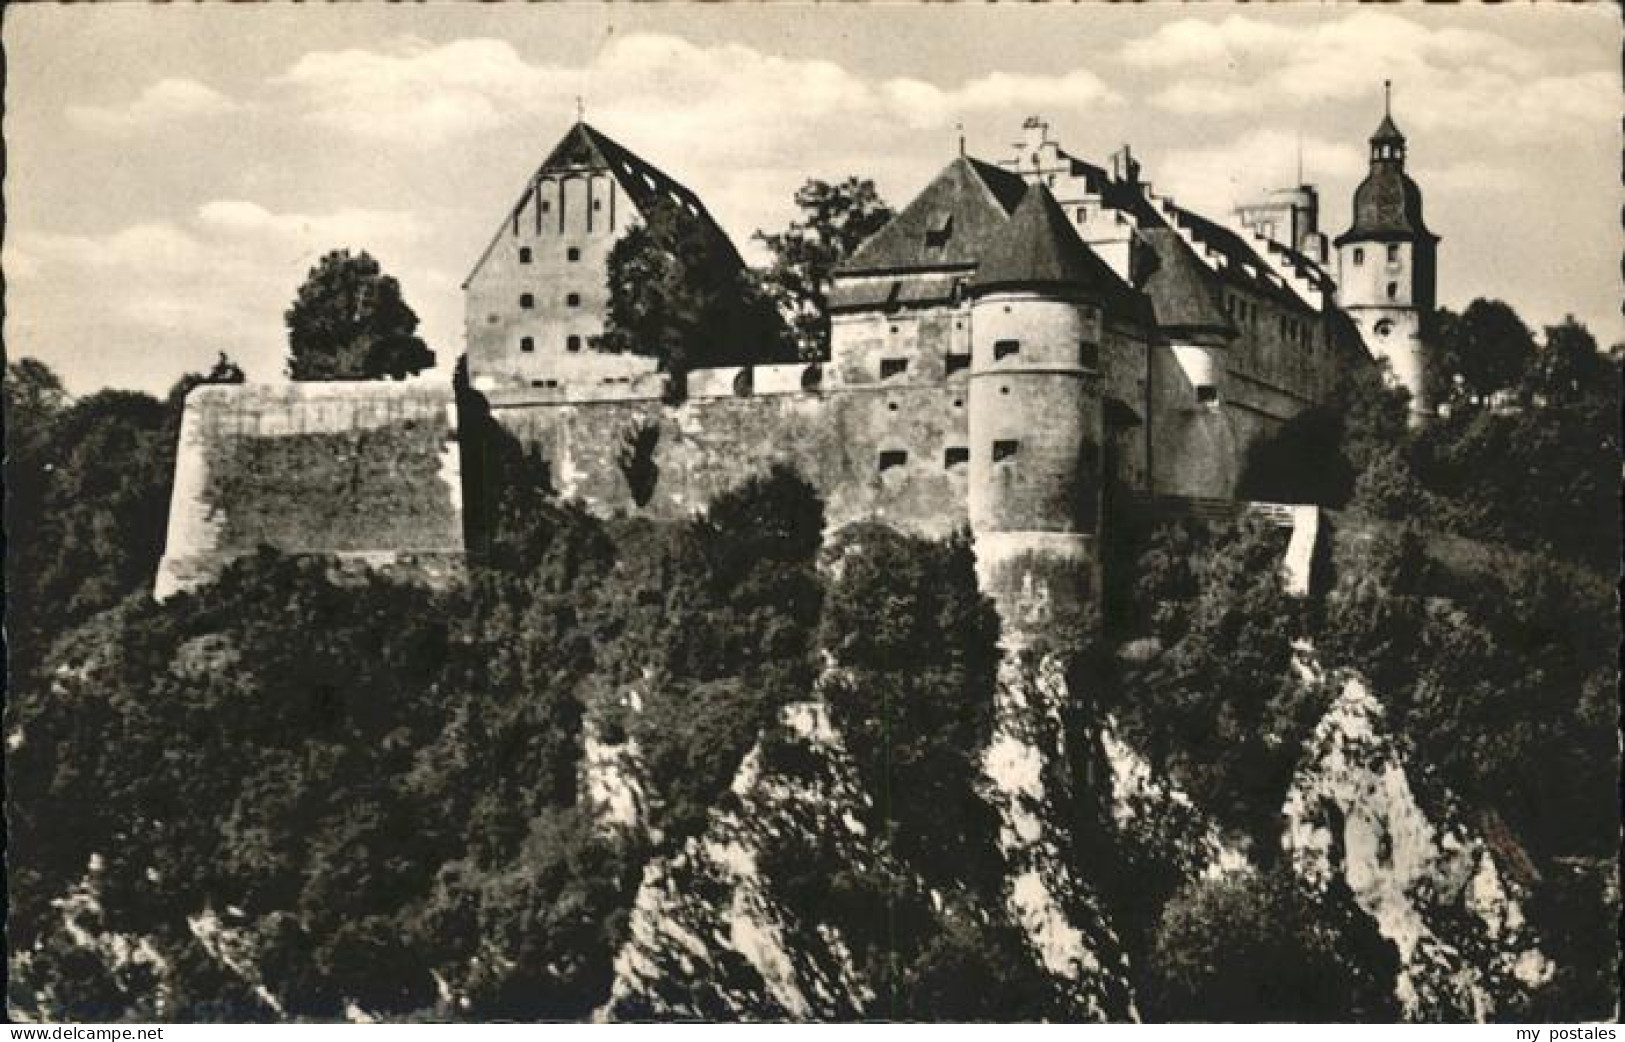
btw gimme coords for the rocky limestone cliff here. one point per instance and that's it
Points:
(709, 937)
(1433, 887)
(1029, 764)
(716, 935)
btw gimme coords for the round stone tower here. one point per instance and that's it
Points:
(1039, 298)
(1387, 266)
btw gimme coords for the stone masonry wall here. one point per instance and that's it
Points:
(876, 452)
(364, 471)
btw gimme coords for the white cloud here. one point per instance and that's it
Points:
(1214, 178)
(704, 96)
(1495, 87)
(185, 289)
(166, 102)
(412, 92)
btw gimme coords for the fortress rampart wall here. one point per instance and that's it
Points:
(365, 470)
(879, 452)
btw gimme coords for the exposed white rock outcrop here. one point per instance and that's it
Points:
(709, 938)
(1029, 769)
(1159, 814)
(612, 775)
(1432, 886)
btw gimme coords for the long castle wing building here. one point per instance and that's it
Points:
(1023, 344)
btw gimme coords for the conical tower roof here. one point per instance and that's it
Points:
(1387, 131)
(1039, 248)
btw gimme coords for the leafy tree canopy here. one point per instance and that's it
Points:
(679, 293)
(835, 219)
(349, 322)
(1483, 350)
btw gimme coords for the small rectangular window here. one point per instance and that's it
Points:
(527, 343)
(1393, 290)
(546, 205)
(572, 343)
(890, 458)
(890, 367)
(1006, 348)
(572, 300)
(1359, 255)
(524, 255)
(954, 455)
(527, 300)
(1207, 394)
(1393, 253)
(1088, 355)
(1005, 450)
(572, 254)
(1083, 214)
(955, 363)
(597, 204)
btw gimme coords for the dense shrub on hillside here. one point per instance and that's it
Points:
(1498, 670)
(1219, 706)
(916, 646)
(1256, 948)
(382, 780)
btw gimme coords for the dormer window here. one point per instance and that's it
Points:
(938, 231)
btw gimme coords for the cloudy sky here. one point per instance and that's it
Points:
(175, 171)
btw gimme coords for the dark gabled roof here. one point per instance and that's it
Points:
(1181, 287)
(586, 147)
(947, 224)
(1039, 248)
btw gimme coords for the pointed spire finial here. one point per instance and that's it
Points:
(959, 125)
(1387, 97)
(581, 110)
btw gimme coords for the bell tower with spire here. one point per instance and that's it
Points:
(1388, 263)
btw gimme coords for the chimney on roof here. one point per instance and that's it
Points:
(1034, 136)
(1125, 167)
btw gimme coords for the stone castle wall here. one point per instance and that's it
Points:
(366, 471)
(876, 452)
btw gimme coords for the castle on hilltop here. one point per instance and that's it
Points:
(1023, 341)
